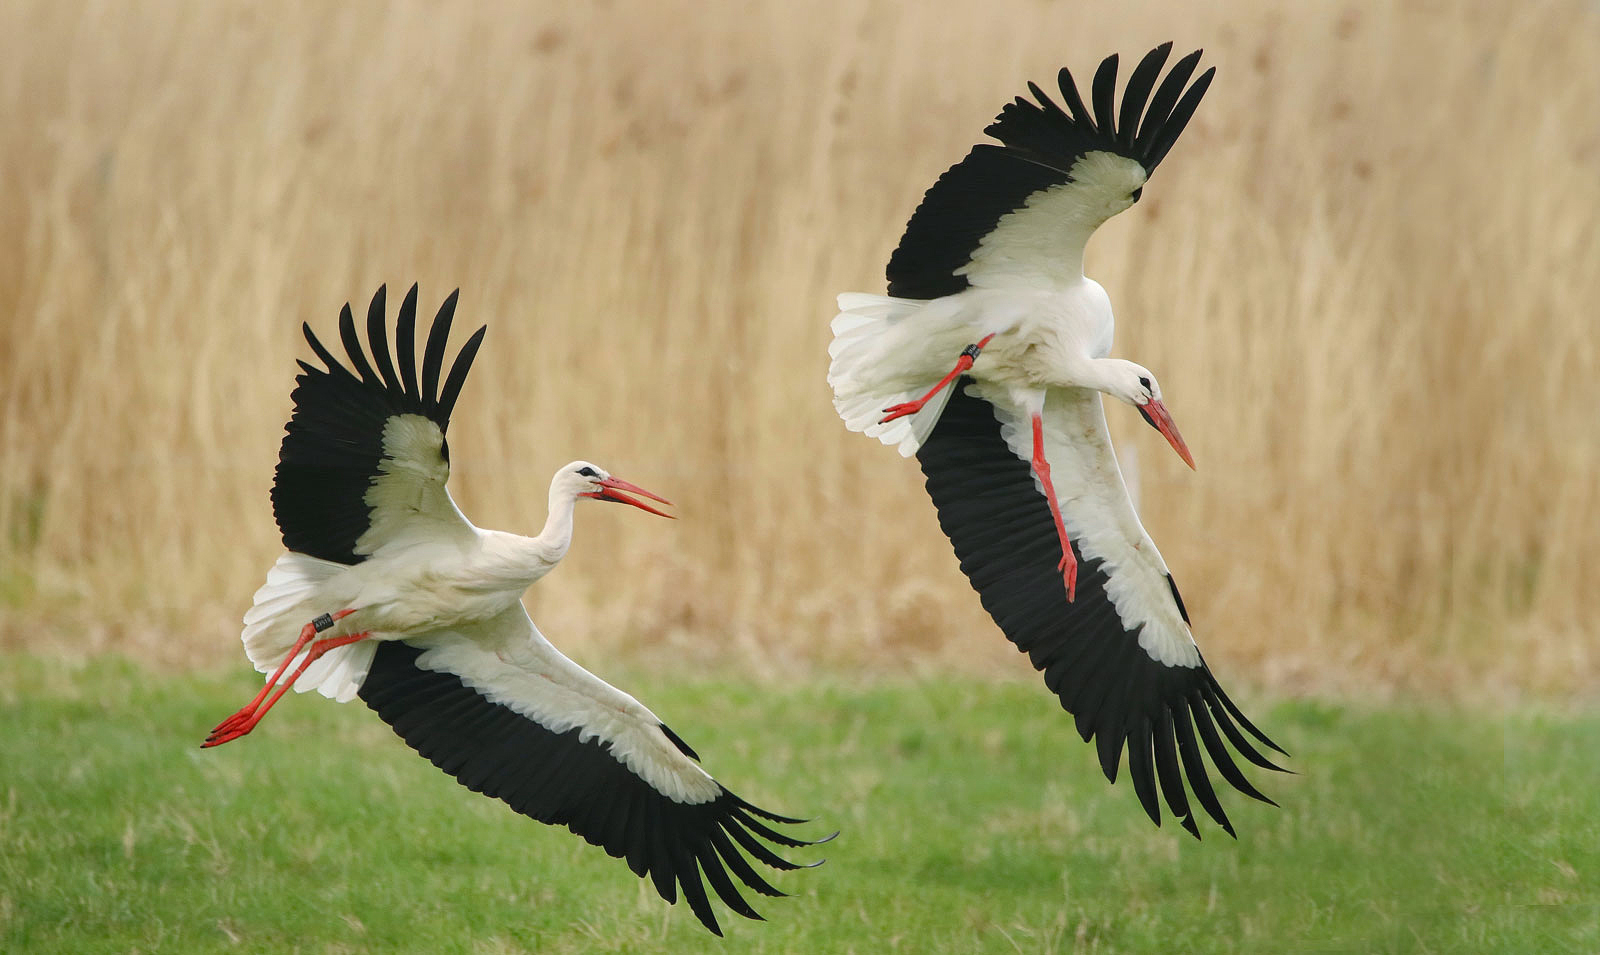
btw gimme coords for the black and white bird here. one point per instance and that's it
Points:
(388, 593)
(987, 290)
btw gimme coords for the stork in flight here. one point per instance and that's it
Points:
(988, 301)
(388, 593)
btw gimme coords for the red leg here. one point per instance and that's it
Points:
(968, 355)
(217, 738)
(1041, 467)
(248, 711)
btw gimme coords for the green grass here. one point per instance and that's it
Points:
(972, 821)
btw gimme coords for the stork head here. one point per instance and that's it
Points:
(1138, 387)
(582, 479)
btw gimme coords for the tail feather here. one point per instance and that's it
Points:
(282, 607)
(864, 413)
(866, 376)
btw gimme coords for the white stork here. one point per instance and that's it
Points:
(987, 289)
(388, 593)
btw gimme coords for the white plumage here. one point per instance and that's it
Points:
(274, 621)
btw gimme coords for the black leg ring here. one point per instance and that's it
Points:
(323, 622)
(972, 351)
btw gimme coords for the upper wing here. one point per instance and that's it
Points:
(509, 716)
(1120, 656)
(1021, 212)
(364, 457)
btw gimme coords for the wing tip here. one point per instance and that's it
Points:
(1128, 128)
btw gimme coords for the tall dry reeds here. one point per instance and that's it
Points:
(1367, 277)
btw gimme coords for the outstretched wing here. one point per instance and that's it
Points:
(1020, 213)
(364, 460)
(1120, 657)
(509, 716)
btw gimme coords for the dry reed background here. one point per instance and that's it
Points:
(1367, 277)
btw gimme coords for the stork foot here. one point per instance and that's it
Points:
(220, 735)
(1069, 570)
(237, 719)
(904, 408)
(963, 363)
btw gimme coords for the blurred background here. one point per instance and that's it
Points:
(1366, 276)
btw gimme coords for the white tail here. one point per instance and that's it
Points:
(283, 606)
(869, 371)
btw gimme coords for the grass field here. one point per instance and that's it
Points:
(1366, 278)
(971, 821)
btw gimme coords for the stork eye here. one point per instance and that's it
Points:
(1145, 382)
(588, 472)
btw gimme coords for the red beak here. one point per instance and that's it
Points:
(613, 492)
(1156, 413)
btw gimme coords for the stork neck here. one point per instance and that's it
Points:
(556, 537)
(1104, 373)
(1096, 373)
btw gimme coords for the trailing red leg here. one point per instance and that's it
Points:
(968, 356)
(252, 712)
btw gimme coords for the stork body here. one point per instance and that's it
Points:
(389, 593)
(988, 303)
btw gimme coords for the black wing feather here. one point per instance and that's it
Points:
(1140, 82)
(1155, 117)
(405, 342)
(1201, 710)
(1040, 143)
(572, 782)
(458, 373)
(1171, 776)
(378, 339)
(711, 865)
(1140, 771)
(1170, 130)
(1104, 91)
(1195, 767)
(334, 368)
(741, 868)
(736, 828)
(1069, 93)
(694, 892)
(433, 355)
(352, 343)
(1121, 699)
(333, 443)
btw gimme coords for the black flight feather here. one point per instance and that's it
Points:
(1140, 82)
(433, 355)
(378, 338)
(405, 343)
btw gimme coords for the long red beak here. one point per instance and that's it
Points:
(1156, 413)
(613, 492)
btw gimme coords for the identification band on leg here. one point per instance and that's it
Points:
(323, 622)
(973, 351)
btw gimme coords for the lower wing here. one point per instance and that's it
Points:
(509, 716)
(1119, 657)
